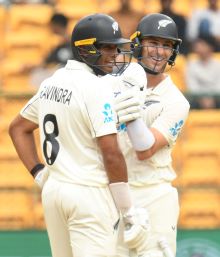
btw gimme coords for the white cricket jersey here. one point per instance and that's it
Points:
(72, 108)
(166, 110)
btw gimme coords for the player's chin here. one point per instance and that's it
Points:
(157, 66)
(108, 68)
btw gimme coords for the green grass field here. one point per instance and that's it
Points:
(190, 243)
(24, 244)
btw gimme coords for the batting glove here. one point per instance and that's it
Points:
(41, 177)
(127, 106)
(135, 76)
(137, 227)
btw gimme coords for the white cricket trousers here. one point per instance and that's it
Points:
(161, 202)
(80, 220)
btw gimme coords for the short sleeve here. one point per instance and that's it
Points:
(171, 120)
(30, 110)
(99, 105)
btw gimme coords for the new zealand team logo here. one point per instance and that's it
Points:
(115, 26)
(163, 23)
(108, 113)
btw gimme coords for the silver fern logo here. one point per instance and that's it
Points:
(163, 23)
(115, 26)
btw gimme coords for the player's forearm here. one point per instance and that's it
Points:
(25, 146)
(21, 133)
(115, 167)
(160, 142)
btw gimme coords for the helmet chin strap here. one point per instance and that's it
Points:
(96, 70)
(150, 71)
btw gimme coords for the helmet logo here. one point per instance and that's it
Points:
(115, 26)
(163, 23)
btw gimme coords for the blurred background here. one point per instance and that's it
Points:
(35, 41)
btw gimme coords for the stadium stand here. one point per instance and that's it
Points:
(13, 174)
(16, 210)
(78, 8)
(200, 209)
(200, 170)
(3, 15)
(29, 16)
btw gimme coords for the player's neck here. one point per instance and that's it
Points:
(154, 80)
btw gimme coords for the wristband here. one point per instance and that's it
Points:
(121, 195)
(140, 135)
(36, 168)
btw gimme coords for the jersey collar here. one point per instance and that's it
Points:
(160, 88)
(75, 65)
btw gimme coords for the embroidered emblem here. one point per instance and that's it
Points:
(115, 26)
(163, 23)
(175, 130)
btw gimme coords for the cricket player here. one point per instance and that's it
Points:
(83, 176)
(148, 137)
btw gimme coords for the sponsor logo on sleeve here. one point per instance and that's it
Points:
(108, 113)
(176, 129)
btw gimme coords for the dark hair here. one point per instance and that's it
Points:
(60, 19)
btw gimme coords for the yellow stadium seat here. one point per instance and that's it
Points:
(77, 9)
(204, 117)
(200, 209)
(27, 46)
(190, 149)
(177, 72)
(178, 6)
(18, 84)
(182, 7)
(108, 6)
(3, 19)
(78, 2)
(7, 149)
(16, 210)
(14, 79)
(26, 16)
(13, 174)
(152, 6)
(3, 15)
(203, 126)
(200, 171)
(10, 107)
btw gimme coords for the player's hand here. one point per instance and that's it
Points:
(41, 177)
(127, 106)
(136, 223)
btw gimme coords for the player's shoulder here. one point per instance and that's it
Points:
(176, 95)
